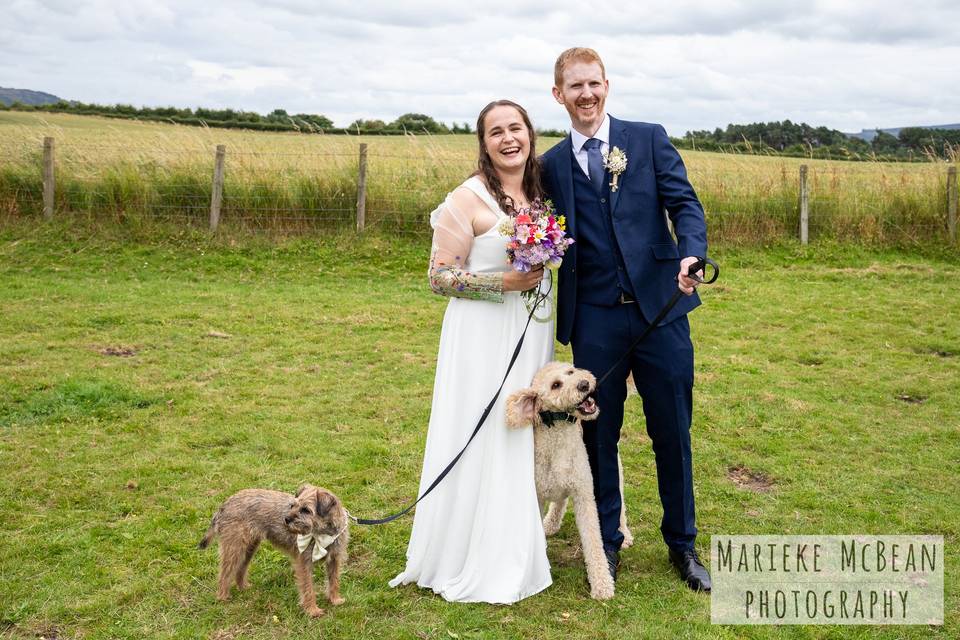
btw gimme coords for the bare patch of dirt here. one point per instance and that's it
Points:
(121, 352)
(748, 480)
(911, 399)
(229, 633)
(936, 351)
(46, 631)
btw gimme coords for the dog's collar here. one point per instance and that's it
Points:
(549, 417)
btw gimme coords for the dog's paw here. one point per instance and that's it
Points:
(602, 591)
(550, 528)
(315, 611)
(243, 586)
(337, 601)
(223, 597)
(627, 538)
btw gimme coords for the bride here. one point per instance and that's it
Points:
(478, 536)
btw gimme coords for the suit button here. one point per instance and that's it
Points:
(603, 201)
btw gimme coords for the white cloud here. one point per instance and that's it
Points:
(227, 78)
(685, 63)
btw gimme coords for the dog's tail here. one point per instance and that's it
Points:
(211, 530)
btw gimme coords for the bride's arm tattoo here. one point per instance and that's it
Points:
(452, 280)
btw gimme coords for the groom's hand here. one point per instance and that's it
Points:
(686, 284)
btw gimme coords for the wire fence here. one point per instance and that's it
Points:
(392, 189)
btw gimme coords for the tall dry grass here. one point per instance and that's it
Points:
(118, 170)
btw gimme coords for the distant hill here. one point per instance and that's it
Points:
(870, 134)
(25, 96)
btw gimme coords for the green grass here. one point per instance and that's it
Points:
(111, 465)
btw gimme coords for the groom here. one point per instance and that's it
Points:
(614, 280)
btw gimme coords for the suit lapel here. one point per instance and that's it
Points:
(619, 137)
(565, 180)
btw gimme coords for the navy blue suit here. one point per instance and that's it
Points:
(624, 246)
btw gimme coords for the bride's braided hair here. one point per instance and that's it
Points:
(531, 170)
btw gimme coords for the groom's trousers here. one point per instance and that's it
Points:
(662, 366)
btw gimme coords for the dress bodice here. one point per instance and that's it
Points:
(489, 251)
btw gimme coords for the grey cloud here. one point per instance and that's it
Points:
(685, 63)
(881, 21)
(414, 15)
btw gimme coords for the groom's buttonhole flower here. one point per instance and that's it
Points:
(615, 161)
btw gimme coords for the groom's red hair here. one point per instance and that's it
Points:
(575, 54)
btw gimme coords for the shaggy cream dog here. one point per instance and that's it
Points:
(558, 400)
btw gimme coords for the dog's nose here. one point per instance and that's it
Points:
(583, 386)
(287, 519)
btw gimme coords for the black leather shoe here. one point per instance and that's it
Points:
(691, 570)
(613, 563)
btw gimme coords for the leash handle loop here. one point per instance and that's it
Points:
(703, 263)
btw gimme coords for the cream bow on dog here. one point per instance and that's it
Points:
(321, 542)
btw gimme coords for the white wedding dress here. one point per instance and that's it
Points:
(478, 537)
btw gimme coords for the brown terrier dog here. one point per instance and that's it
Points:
(308, 526)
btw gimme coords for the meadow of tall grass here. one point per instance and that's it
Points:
(118, 170)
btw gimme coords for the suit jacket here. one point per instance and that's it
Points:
(655, 178)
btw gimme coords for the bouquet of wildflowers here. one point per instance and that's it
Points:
(535, 236)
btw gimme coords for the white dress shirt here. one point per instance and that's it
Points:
(578, 140)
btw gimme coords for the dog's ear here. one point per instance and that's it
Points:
(301, 489)
(325, 502)
(523, 408)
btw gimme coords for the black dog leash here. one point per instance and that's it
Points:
(486, 412)
(692, 270)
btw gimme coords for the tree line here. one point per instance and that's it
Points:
(276, 120)
(784, 138)
(802, 140)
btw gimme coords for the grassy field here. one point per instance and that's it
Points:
(142, 383)
(117, 169)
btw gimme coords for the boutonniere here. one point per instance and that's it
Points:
(615, 161)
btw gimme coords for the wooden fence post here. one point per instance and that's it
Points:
(804, 206)
(216, 197)
(362, 189)
(952, 203)
(48, 181)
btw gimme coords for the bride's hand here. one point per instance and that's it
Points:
(520, 281)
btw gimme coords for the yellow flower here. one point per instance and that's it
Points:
(562, 222)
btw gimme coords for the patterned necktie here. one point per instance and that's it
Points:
(594, 163)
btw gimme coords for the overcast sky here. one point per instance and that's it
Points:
(687, 64)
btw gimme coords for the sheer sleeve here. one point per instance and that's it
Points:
(452, 240)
